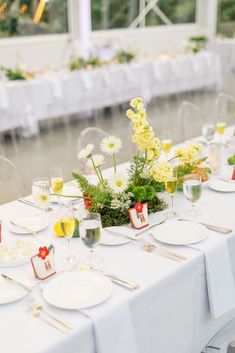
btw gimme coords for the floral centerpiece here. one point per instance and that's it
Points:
(17, 73)
(195, 44)
(112, 197)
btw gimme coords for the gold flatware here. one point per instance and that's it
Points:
(63, 322)
(23, 227)
(116, 279)
(170, 252)
(16, 281)
(37, 313)
(223, 230)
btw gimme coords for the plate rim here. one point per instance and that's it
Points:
(125, 240)
(15, 299)
(108, 295)
(25, 232)
(182, 244)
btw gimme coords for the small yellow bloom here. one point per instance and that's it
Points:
(161, 171)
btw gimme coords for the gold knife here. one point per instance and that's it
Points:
(10, 279)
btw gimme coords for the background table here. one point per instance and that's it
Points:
(23, 104)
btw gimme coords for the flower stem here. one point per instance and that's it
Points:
(114, 164)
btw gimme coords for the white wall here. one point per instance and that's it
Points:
(55, 50)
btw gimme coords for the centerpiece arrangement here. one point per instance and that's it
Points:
(115, 196)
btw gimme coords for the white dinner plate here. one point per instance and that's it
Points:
(78, 291)
(35, 223)
(222, 186)
(111, 236)
(180, 233)
(26, 249)
(10, 292)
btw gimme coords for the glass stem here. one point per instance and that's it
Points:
(172, 204)
(69, 248)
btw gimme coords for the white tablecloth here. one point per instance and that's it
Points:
(24, 103)
(170, 311)
(226, 50)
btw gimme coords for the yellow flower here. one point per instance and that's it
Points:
(136, 102)
(161, 171)
(188, 154)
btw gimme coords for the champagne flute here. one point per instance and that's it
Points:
(192, 188)
(67, 225)
(166, 142)
(57, 182)
(220, 128)
(90, 232)
(41, 192)
(171, 187)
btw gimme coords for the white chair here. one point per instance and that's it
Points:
(225, 106)
(91, 135)
(191, 119)
(11, 181)
(222, 342)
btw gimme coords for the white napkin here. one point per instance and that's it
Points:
(220, 282)
(113, 329)
(4, 100)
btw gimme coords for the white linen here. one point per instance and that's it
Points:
(109, 327)
(72, 92)
(219, 276)
(226, 50)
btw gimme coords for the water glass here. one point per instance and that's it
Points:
(41, 192)
(90, 229)
(192, 188)
(214, 157)
(208, 132)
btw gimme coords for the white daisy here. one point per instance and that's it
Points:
(98, 160)
(118, 182)
(86, 152)
(110, 145)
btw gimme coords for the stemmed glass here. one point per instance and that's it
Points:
(67, 225)
(171, 187)
(57, 182)
(166, 142)
(192, 188)
(41, 192)
(220, 127)
(90, 232)
(208, 132)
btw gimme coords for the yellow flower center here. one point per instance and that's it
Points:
(111, 145)
(119, 183)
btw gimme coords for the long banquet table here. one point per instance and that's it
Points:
(169, 312)
(23, 104)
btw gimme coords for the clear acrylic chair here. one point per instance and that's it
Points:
(223, 341)
(91, 135)
(11, 181)
(225, 106)
(191, 119)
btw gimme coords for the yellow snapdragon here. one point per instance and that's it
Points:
(161, 171)
(188, 154)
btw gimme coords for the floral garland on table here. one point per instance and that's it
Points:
(114, 196)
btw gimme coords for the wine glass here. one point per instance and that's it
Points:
(166, 142)
(171, 187)
(208, 132)
(220, 128)
(41, 192)
(67, 225)
(192, 188)
(90, 232)
(57, 182)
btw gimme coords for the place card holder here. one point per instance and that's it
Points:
(139, 215)
(43, 263)
(233, 175)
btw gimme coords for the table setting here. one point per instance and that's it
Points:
(109, 265)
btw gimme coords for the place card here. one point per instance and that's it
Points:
(44, 262)
(139, 215)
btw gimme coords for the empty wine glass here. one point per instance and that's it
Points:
(192, 188)
(41, 192)
(171, 187)
(208, 132)
(90, 232)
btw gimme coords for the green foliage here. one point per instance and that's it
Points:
(231, 160)
(136, 168)
(13, 74)
(125, 56)
(78, 63)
